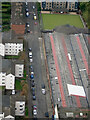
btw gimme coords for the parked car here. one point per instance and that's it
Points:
(43, 89)
(28, 31)
(30, 54)
(13, 92)
(33, 84)
(26, 3)
(32, 72)
(27, 14)
(35, 23)
(31, 60)
(34, 107)
(34, 14)
(30, 49)
(26, 9)
(33, 93)
(46, 114)
(27, 24)
(33, 89)
(33, 7)
(34, 97)
(31, 76)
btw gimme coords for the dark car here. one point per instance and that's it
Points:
(34, 97)
(33, 93)
(27, 9)
(43, 86)
(46, 114)
(28, 31)
(33, 84)
(33, 89)
(31, 76)
(30, 49)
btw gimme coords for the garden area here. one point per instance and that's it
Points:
(6, 15)
(50, 21)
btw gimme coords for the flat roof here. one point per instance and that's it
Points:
(76, 90)
(68, 71)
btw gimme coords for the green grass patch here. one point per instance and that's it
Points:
(50, 21)
(2, 87)
(18, 85)
(12, 57)
(6, 5)
(24, 74)
(26, 111)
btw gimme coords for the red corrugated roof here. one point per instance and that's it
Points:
(19, 29)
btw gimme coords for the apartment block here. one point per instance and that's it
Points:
(45, 5)
(19, 68)
(13, 48)
(20, 108)
(66, 4)
(59, 4)
(2, 79)
(10, 81)
(2, 49)
(72, 6)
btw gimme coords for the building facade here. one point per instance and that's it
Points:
(2, 49)
(13, 48)
(2, 78)
(20, 108)
(53, 4)
(19, 68)
(10, 82)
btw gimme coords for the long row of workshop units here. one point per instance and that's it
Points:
(67, 58)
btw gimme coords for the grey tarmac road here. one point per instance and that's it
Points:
(33, 42)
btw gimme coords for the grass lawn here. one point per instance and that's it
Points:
(18, 85)
(50, 21)
(26, 111)
(2, 87)
(11, 57)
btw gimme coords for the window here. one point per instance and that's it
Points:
(19, 74)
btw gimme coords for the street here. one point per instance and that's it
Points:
(33, 42)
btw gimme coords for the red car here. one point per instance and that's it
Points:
(35, 23)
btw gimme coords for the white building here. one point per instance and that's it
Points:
(2, 49)
(2, 78)
(19, 108)
(1, 116)
(19, 68)
(13, 48)
(10, 81)
(9, 117)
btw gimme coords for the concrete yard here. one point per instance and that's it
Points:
(64, 71)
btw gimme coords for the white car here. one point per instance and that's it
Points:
(35, 112)
(28, 25)
(26, 3)
(33, 7)
(32, 73)
(27, 14)
(13, 92)
(31, 60)
(30, 54)
(34, 14)
(43, 91)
